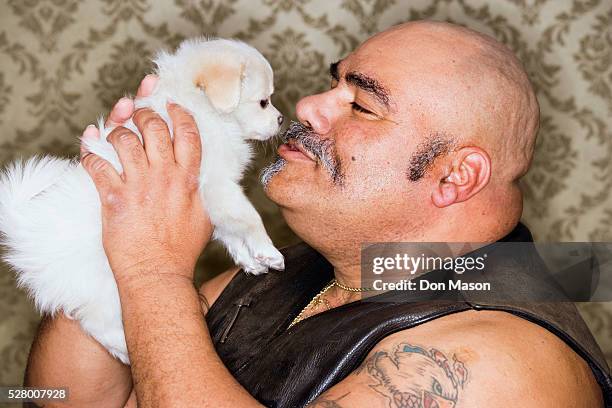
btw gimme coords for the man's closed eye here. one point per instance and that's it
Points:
(360, 108)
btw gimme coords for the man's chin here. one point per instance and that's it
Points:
(284, 189)
(273, 188)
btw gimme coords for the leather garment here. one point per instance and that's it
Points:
(284, 367)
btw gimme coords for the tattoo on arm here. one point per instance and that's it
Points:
(410, 376)
(326, 402)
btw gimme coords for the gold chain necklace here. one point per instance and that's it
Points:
(350, 289)
(318, 299)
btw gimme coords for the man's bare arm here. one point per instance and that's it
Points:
(208, 293)
(62, 355)
(176, 367)
(480, 359)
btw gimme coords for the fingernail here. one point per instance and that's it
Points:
(123, 101)
(91, 132)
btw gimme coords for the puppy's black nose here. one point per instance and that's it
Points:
(280, 120)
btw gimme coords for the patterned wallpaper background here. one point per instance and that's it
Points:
(64, 62)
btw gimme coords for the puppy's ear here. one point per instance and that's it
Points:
(222, 82)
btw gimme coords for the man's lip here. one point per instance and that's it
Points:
(297, 145)
(289, 149)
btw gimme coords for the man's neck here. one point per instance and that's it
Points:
(348, 275)
(346, 259)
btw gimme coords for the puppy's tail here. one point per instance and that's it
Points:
(19, 183)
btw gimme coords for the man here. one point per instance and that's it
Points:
(423, 136)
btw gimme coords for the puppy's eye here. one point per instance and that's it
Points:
(264, 103)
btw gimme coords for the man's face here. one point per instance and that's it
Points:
(373, 138)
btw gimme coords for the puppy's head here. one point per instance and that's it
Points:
(235, 78)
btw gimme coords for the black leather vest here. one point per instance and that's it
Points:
(290, 368)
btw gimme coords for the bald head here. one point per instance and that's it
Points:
(484, 89)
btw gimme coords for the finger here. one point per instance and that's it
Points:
(121, 112)
(147, 85)
(103, 174)
(187, 142)
(90, 133)
(130, 151)
(156, 137)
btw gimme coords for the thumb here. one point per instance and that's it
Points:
(89, 134)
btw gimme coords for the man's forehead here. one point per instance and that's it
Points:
(417, 65)
(394, 74)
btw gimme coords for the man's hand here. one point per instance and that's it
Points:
(152, 213)
(154, 228)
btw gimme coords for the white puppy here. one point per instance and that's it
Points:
(50, 211)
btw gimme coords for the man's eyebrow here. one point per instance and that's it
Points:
(362, 81)
(370, 85)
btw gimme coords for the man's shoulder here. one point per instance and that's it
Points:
(470, 359)
(486, 350)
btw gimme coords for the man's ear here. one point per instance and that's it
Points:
(221, 80)
(467, 174)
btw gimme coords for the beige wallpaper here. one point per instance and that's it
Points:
(63, 62)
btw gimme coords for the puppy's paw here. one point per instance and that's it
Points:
(254, 267)
(241, 255)
(271, 258)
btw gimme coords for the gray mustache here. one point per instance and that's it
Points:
(322, 150)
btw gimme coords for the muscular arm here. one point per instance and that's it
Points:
(63, 355)
(177, 367)
(208, 294)
(470, 360)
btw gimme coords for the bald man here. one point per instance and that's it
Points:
(424, 134)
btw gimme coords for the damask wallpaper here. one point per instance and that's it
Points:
(64, 62)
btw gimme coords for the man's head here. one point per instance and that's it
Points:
(424, 134)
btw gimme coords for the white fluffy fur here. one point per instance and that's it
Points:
(50, 210)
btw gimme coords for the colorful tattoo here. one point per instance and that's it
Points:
(407, 376)
(413, 377)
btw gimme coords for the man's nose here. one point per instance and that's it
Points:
(313, 112)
